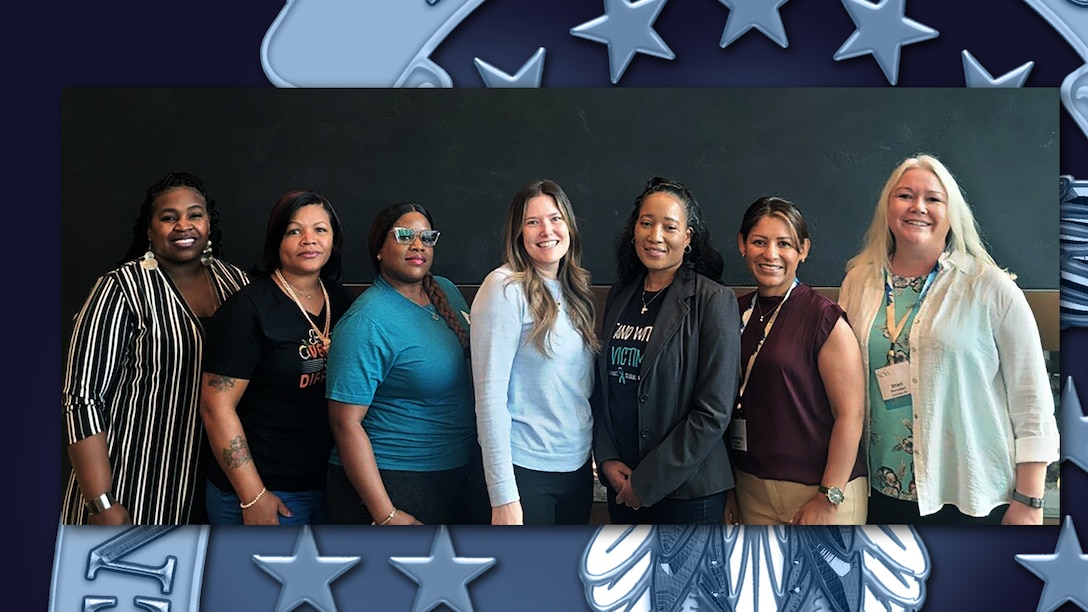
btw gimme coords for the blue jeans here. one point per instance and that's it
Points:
(307, 507)
(669, 511)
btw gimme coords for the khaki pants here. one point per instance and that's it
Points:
(775, 502)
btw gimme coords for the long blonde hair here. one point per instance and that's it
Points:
(963, 234)
(573, 278)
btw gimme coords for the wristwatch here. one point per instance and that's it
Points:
(834, 494)
(1034, 502)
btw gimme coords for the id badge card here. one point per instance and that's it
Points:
(738, 434)
(894, 380)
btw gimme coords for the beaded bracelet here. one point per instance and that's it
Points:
(255, 499)
(388, 518)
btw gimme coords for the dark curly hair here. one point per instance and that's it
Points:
(703, 258)
(170, 181)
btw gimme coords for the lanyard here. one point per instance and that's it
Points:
(766, 330)
(896, 327)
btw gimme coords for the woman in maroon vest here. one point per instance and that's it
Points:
(796, 432)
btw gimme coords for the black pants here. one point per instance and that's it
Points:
(884, 510)
(435, 498)
(555, 498)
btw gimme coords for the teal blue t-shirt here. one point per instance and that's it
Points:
(404, 362)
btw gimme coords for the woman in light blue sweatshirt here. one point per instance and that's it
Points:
(533, 345)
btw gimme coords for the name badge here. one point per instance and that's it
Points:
(738, 434)
(894, 380)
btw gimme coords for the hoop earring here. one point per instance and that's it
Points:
(206, 256)
(148, 261)
(687, 249)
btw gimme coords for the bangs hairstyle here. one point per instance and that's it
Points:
(169, 182)
(573, 278)
(703, 257)
(963, 233)
(280, 217)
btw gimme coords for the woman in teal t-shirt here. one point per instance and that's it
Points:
(400, 387)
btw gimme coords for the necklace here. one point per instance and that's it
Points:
(645, 303)
(324, 335)
(759, 306)
(434, 314)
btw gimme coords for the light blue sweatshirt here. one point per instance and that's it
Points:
(532, 410)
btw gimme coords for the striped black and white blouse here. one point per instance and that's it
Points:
(133, 372)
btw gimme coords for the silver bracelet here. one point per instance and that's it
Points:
(101, 503)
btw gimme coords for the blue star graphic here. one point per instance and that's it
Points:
(627, 29)
(442, 577)
(305, 576)
(527, 76)
(759, 14)
(881, 31)
(1065, 572)
(1074, 427)
(977, 76)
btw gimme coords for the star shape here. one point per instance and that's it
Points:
(442, 577)
(305, 575)
(881, 31)
(627, 29)
(977, 76)
(527, 76)
(759, 14)
(1074, 427)
(1065, 572)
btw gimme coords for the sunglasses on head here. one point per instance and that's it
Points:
(405, 235)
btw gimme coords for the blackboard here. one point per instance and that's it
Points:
(464, 152)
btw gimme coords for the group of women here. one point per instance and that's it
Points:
(921, 396)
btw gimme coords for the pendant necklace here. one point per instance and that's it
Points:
(324, 335)
(434, 313)
(762, 314)
(645, 303)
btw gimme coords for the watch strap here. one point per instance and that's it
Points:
(1034, 502)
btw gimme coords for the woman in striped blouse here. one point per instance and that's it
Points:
(132, 379)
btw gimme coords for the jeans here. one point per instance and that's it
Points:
(706, 510)
(307, 507)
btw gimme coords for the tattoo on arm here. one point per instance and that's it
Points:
(220, 383)
(236, 453)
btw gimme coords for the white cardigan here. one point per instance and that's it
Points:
(981, 397)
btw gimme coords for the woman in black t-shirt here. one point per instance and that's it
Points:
(263, 396)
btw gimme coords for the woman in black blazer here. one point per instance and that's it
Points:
(667, 377)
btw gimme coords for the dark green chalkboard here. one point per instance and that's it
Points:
(463, 153)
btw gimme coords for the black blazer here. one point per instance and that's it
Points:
(688, 385)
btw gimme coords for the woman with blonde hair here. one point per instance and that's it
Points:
(532, 345)
(961, 416)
